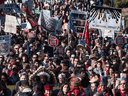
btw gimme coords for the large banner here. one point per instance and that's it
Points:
(4, 48)
(105, 18)
(9, 8)
(10, 24)
(47, 22)
(79, 20)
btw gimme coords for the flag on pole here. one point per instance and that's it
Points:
(71, 26)
(30, 18)
(86, 35)
(2, 1)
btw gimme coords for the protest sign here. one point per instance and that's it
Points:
(60, 49)
(108, 33)
(4, 48)
(6, 38)
(79, 20)
(105, 18)
(120, 40)
(82, 42)
(53, 41)
(47, 22)
(26, 25)
(10, 24)
(31, 35)
(23, 25)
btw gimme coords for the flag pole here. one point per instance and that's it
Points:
(69, 26)
(55, 28)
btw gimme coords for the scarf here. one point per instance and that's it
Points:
(106, 93)
(122, 94)
(76, 91)
(46, 95)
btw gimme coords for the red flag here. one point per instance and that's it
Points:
(30, 18)
(2, 1)
(86, 35)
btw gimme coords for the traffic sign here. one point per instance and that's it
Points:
(53, 41)
(120, 40)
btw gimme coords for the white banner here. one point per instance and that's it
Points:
(4, 48)
(79, 20)
(10, 24)
(46, 21)
(105, 18)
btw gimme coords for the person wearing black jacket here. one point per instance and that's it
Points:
(83, 76)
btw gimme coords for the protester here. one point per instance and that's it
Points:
(64, 90)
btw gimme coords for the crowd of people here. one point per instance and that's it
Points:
(100, 71)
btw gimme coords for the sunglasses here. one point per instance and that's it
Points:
(122, 83)
(89, 70)
(102, 85)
